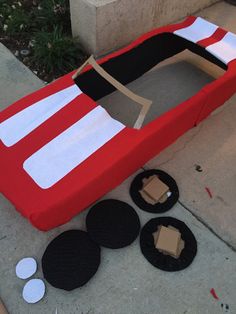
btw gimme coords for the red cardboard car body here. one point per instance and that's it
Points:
(50, 185)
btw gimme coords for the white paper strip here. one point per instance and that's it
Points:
(66, 151)
(225, 49)
(199, 30)
(21, 124)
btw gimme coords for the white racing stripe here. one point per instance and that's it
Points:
(225, 49)
(200, 29)
(66, 151)
(22, 123)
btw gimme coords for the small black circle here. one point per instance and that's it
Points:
(113, 224)
(160, 260)
(137, 185)
(70, 260)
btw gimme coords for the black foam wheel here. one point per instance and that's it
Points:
(160, 260)
(137, 185)
(70, 260)
(113, 224)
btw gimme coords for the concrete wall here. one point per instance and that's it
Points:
(105, 25)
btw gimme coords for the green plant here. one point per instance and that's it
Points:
(20, 16)
(14, 19)
(18, 22)
(5, 11)
(56, 53)
(44, 27)
(53, 12)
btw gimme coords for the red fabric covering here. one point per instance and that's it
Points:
(109, 165)
(218, 35)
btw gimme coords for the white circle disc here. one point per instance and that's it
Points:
(26, 267)
(33, 290)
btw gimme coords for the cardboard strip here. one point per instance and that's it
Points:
(145, 103)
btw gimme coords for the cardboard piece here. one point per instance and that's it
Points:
(181, 247)
(154, 190)
(181, 243)
(168, 241)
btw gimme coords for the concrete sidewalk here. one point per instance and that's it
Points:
(126, 282)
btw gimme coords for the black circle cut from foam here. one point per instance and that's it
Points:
(137, 185)
(113, 224)
(70, 260)
(160, 260)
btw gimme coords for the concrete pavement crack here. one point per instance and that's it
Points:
(206, 225)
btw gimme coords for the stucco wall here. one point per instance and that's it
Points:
(105, 25)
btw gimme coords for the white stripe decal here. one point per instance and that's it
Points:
(200, 29)
(22, 123)
(225, 49)
(66, 151)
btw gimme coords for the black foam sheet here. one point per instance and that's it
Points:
(113, 224)
(70, 260)
(160, 260)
